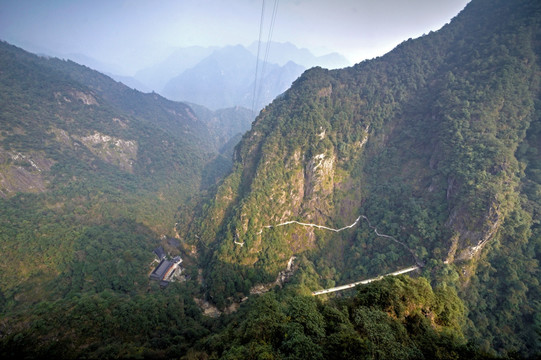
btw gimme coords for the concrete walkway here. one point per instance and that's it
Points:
(352, 285)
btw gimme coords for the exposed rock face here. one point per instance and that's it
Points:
(29, 171)
(281, 279)
(469, 240)
(113, 150)
(76, 95)
(86, 99)
(23, 172)
(319, 181)
(116, 151)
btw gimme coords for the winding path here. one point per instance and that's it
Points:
(313, 225)
(417, 261)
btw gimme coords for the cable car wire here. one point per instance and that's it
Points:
(260, 76)
(257, 57)
(267, 48)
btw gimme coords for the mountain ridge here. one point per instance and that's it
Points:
(225, 78)
(183, 59)
(428, 155)
(281, 53)
(422, 141)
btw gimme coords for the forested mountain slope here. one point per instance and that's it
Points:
(429, 155)
(436, 144)
(91, 175)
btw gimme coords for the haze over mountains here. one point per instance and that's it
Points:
(182, 59)
(428, 155)
(226, 78)
(221, 77)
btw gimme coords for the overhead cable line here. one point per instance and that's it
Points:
(257, 84)
(257, 57)
(267, 49)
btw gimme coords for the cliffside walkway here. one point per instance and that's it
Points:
(420, 264)
(417, 260)
(352, 285)
(312, 225)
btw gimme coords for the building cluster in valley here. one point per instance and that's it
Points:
(167, 270)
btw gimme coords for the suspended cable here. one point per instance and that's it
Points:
(260, 76)
(267, 48)
(257, 58)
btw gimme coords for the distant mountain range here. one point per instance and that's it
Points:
(182, 59)
(224, 77)
(282, 53)
(218, 77)
(429, 155)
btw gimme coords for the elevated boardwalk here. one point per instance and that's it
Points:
(352, 285)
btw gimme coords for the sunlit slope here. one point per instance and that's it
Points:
(422, 141)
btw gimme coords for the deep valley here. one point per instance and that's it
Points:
(426, 160)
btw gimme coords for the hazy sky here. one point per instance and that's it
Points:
(136, 33)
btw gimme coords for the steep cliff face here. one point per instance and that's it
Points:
(422, 141)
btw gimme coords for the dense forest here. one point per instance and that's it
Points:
(429, 155)
(91, 175)
(434, 144)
